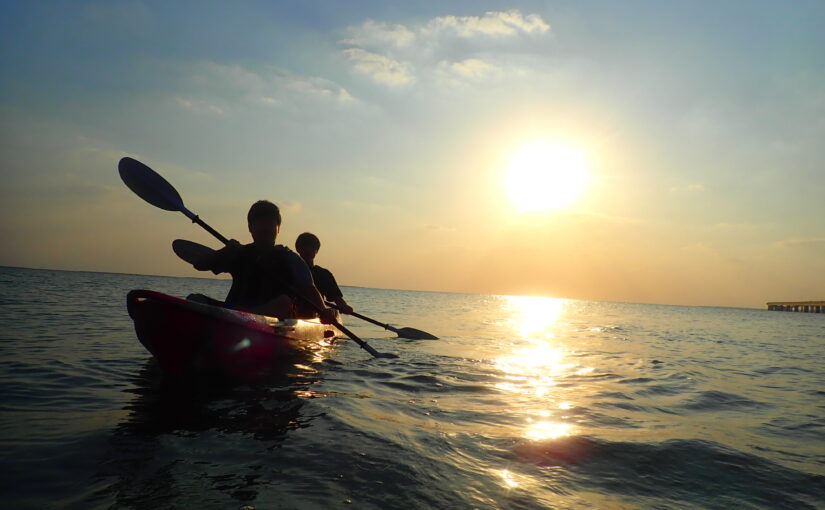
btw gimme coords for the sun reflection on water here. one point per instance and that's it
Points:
(547, 430)
(508, 478)
(534, 316)
(534, 366)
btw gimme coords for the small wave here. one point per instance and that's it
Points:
(704, 472)
(671, 385)
(721, 401)
(782, 371)
(809, 428)
(637, 380)
(625, 406)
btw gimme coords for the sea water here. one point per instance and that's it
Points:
(522, 403)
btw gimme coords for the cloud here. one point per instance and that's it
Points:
(372, 34)
(507, 23)
(450, 48)
(291, 206)
(810, 243)
(198, 106)
(469, 69)
(215, 88)
(311, 87)
(381, 69)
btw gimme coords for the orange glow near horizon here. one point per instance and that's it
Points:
(544, 176)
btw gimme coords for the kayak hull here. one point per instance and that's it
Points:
(189, 338)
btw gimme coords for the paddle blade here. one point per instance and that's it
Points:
(149, 185)
(189, 251)
(414, 334)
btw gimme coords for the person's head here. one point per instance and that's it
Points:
(264, 220)
(307, 246)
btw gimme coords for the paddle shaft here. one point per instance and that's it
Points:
(373, 321)
(209, 229)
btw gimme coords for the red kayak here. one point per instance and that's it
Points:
(190, 337)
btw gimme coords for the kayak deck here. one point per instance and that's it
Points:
(189, 337)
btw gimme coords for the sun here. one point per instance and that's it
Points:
(544, 176)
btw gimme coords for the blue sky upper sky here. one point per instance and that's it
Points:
(384, 127)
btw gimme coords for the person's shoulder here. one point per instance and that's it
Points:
(233, 252)
(285, 254)
(247, 252)
(321, 270)
(284, 251)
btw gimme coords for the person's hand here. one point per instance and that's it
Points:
(345, 308)
(327, 315)
(233, 245)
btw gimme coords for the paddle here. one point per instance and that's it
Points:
(409, 333)
(192, 252)
(151, 187)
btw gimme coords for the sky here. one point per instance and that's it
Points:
(389, 129)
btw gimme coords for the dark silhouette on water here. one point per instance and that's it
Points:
(151, 187)
(797, 306)
(266, 278)
(163, 414)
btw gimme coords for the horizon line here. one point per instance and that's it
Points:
(389, 289)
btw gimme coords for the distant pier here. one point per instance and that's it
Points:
(798, 306)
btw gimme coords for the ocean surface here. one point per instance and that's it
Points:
(523, 403)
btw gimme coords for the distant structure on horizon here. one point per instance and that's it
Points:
(798, 306)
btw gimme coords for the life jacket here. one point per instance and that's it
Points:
(258, 278)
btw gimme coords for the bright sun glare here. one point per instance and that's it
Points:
(545, 175)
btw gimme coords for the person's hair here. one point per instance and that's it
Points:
(264, 209)
(309, 240)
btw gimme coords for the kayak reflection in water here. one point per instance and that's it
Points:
(266, 278)
(307, 245)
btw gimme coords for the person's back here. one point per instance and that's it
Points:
(252, 268)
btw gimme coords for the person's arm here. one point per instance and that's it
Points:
(220, 261)
(342, 305)
(337, 296)
(326, 284)
(327, 315)
(305, 287)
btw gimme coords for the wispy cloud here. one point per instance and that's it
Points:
(380, 68)
(375, 34)
(450, 48)
(216, 88)
(198, 106)
(810, 243)
(507, 23)
(291, 206)
(471, 68)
